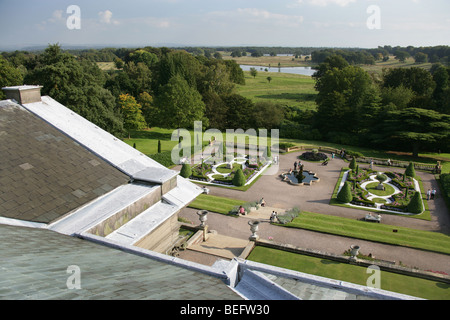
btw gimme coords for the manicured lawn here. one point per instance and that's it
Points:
(421, 288)
(407, 237)
(215, 204)
(372, 188)
(285, 89)
(146, 141)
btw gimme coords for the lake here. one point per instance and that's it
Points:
(306, 71)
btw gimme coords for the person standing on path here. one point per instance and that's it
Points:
(433, 194)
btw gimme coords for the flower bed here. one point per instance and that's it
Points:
(397, 200)
(313, 156)
(218, 173)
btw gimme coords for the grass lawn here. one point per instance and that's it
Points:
(215, 204)
(285, 89)
(372, 188)
(147, 140)
(421, 288)
(406, 237)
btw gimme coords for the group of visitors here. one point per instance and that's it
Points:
(431, 194)
(297, 164)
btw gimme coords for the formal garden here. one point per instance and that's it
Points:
(238, 172)
(391, 192)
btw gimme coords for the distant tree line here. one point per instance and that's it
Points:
(437, 54)
(404, 109)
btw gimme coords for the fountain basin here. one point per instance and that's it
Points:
(291, 178)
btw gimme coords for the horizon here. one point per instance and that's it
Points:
(201, 23)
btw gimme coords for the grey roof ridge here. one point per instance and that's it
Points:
(131, 166)
(325, 282)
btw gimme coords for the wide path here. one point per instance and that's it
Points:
(239, 228)
(316, 198)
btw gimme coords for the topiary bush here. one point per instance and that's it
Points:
(239, 178)
(416, 204)
(186, 171)
(353, 164)
(410, 171)
(345, 195)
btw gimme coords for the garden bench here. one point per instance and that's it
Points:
(373, 218)
(205, 190)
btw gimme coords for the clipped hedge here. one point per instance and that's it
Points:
(445, 183)
(186, 171)
(345, 195)
(239, 178)
(416, 204)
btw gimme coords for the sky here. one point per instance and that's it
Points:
(286, 23)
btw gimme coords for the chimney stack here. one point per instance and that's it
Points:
(23, 94)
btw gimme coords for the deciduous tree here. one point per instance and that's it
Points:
(132, 113)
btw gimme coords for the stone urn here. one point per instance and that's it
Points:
(202, 216)
(254, 224)
(354, 251)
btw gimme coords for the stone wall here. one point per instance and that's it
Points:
(122, 217)
(162, 238)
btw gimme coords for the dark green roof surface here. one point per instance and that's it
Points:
(34, 264)
(43, 173)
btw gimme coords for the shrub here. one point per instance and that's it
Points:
(381, 177)
(268, 153)
(410, 171)
(289, 215)
(285, 145)
(164, 158)
(345, 195)
(239, 178)
(416, 204)
(353, 164)
(354, 154)
(186, 171)
(445, 182)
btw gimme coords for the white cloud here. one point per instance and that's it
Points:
(106, 17)
(57, 17)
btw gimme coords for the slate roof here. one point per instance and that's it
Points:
(35, 268)
(43, 173)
